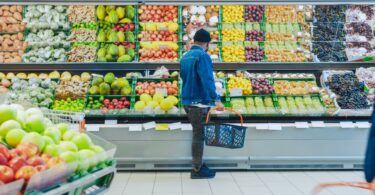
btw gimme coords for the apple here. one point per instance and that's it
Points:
(68, 146)
(3, 159)
(88, 155)
(16, 153)
(41, 168)
(28, 149)
(54, 134)
(4, 151)
(6, 174)
(82, 141)
(69, 135)
(35, 161)
(26, 172)
(21, 119)
(55, 161)
(34, 138)
(46, 157)
(71, 157)
(16, 163)
(17, 107)
(63, 128)
(35, 123)
(34, 111)
(47, 141)
(14, 137)
(100, 153)
(7, 126)
(53, 150)
(7, 113)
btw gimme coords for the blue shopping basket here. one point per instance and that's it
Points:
(224, 135)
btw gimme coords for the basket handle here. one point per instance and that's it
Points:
(227, 109)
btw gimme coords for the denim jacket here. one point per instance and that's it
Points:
(198, 84)
(369, 167)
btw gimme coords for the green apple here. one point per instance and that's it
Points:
(68, 146)
(53, 150)
(7, 113)
(63, 127)
(100, 153)
(35, 123)
(69, 135)
(21, 119)
(47, 122)
(34, 138)
(47, 141)
(17, 107)
(14, 137)
(54, 134)
(89, 156)
(72, 158)
(34, 111)
(9, 125)
(82, 141)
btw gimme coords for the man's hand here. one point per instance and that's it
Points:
(219, 106)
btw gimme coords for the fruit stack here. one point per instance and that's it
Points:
(197, 17)
(359, 32)
(301, 105)
(116, 33)
(158, 35)
(71, 92)
(12, 45)
(367, 76)
(257, 105)
(283, 28)
(239, 82)
(233, 33)
(157, 104)
(329, 33)
(293, 87)
(111, 105)
(48, 27)
(110, 85)
(38, 145)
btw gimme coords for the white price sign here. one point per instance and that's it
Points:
(262, 126)
(149, 125)
(274, 126)
(175, 126)
(92, 127)
(347, 125)
(186, 127)
(135, 127)
(162, 91)
(363, 125)
(110, 122)
(301, 125)
(235, 92)
(317, 124)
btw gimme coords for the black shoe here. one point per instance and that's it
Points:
(203, 173)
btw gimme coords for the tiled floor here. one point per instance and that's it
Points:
(232, 183)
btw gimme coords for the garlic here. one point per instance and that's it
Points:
(193, 18)
(193, 10)
(213, 21)
(185, 12)
(201, 10)
(202, 19)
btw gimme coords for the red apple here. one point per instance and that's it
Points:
(3, 159)
(55, 161)
(16, 153)
(46, 157)
(26, 172)
(35, 161)
(6, 174)
(41, 168)
(4, 151)
(16, 163)
(28, 149)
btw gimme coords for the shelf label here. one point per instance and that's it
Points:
(110, 122)
(92, 127)
(274, 126)
(135, 127)
(363, 125)
(235, 92)
(186, 127)
(262, 126)
(175, 126)
(317, 124)
(162, 91)
(347, 124)
(149, 125)
(162, 127)
(301, 125)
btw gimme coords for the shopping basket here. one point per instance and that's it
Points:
(224, 135)
(362, 185)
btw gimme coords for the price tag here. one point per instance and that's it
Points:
(110, 122)
(235, 92)
(175, 126)
(162, 127)
(262, 126)
(186, 127)
(301, 125)
(135, 127)
(274, 126)
(317, 124)
(161, 91)
(363, 125)
(347, 124)
(92, 128)
(149, 125)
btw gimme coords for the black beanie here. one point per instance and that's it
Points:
(202, 36)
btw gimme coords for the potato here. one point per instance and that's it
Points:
(7, 13)
(20, 36)
(1, 12)
(13, 8)
(19, 8)
(5, 7)
(11, 20)
(17, 16)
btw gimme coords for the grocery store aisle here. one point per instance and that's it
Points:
(232, 183)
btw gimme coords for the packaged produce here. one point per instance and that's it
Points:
(329, 102)
(83, 32)
(83, 52)
(329, 51)
(360, 13)
(81, 13)
(74, 88)
(46, 17)
(330, 13)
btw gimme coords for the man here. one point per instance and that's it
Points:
(370, 153)
(198, 95)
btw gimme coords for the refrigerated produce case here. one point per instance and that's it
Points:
(331, 138)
